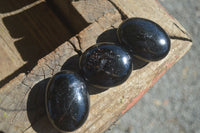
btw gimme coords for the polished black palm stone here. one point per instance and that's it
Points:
(67, 101)
(105, 65)
(145, 39)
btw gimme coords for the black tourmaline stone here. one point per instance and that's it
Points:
(67, 101)
(145, 39)
(105, 65)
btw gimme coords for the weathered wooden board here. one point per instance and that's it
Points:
(29, 30)
(22, 100)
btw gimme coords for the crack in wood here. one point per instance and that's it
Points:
(27, 128)
(36, 74)
(25, 85)
(182, 30)
(59, 65)
(11, 110)
(43, 73)
(20, 104)
(113, 27)
(97, 21)
(79, 52)
(59, 57)
(123, 15)
(79, 41)
(180, 38)
(52, 69)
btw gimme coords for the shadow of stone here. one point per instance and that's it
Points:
(35, 103)
(94, 90)
(138, 64)
(108, 36)
(72, 64)
(36, 109)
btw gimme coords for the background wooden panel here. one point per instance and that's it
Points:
(29, 30)
(22, 100)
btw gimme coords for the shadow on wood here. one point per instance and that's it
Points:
(138, 64)
(6, 6)
(94, 90)
(36, 101)
(68, 14)
(72, 64)
(108, 36)
(36, 108)
(36, 36)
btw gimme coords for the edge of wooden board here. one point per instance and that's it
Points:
(53, 62)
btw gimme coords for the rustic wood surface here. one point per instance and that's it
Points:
(28, 31)
(22, 99)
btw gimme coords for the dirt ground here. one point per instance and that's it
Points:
(173, 104)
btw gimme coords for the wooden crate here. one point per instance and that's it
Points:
(29, 30)
(22, 99)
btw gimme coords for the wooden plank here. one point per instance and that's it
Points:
(22, 103)
(28, 31)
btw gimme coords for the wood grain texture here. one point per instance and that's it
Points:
(91, 10)
(22, 101)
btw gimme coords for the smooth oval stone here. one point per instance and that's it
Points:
(67, 101)
(105, 65)
(145, 39)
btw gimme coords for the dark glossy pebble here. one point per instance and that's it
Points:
(145, 39)
(67, 101)
(105, 65)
